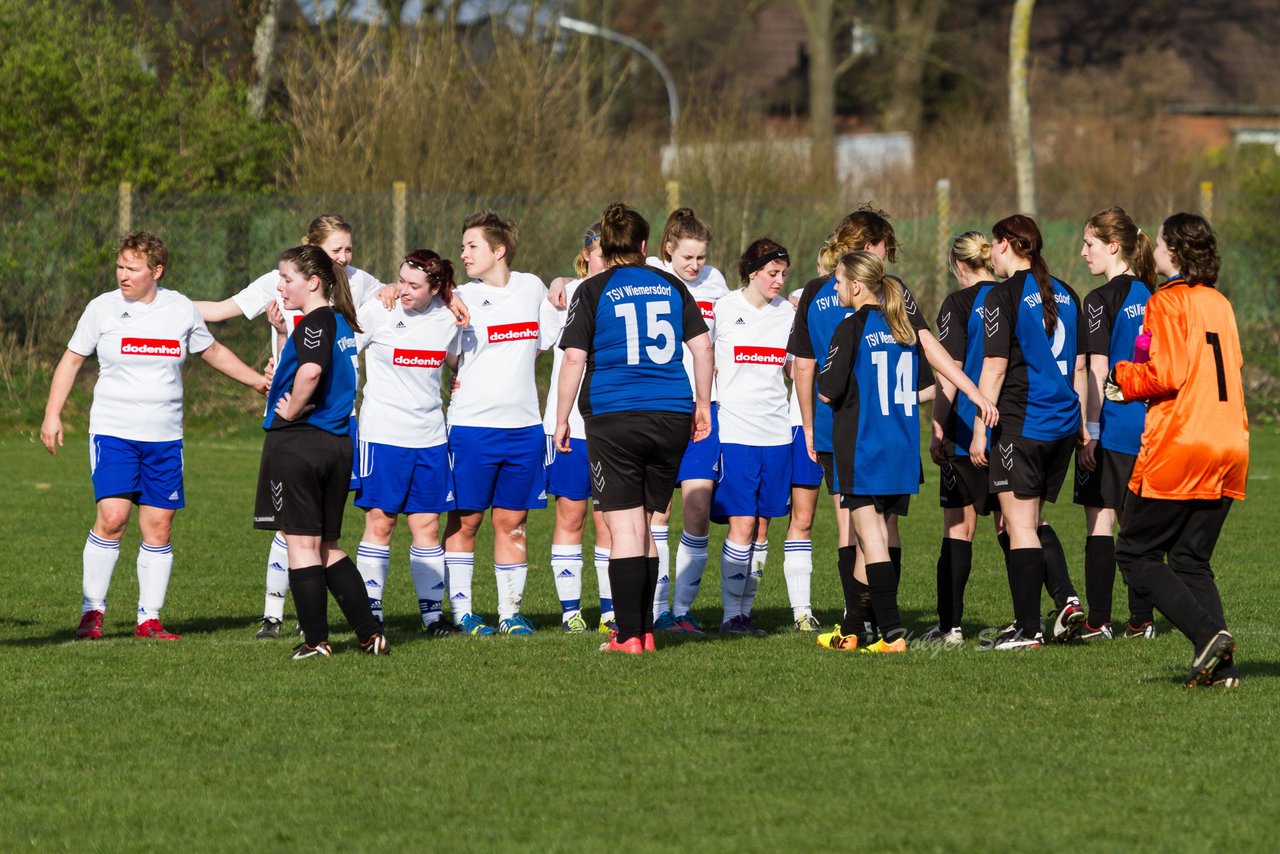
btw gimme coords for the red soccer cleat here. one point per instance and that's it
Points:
(152, 629)
(90, 627)
(630, 646)
(647, 643)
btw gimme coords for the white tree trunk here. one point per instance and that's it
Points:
(1024, 163)
(264, 51)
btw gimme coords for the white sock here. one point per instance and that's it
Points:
(691, 561)
(99, 562)
(373, 561)
(277, 578)
(426, 566)
(602, 582)
(510, 578)
(759, 554)
(566, 566)
(735, 566)
(155, 563)
(458, 567)
(662, 592)
(797, 568)
(755, 573)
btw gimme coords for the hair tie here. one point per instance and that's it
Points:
(775, 255)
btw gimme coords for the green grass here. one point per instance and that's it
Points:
(220, 742)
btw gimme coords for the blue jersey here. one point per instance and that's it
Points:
(817, 317)
(872, 381)
(1038, 399)
(323, 337)
(1113, 314)
(960, 333)
(633, 322)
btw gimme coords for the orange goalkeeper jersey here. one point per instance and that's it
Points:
(1196, 441)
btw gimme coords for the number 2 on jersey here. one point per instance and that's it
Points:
(656, 329)
(904, 392)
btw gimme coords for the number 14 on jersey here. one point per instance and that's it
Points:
(904, 381)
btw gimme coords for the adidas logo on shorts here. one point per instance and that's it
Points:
(173, 496)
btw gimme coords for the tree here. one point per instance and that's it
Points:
(915, 28)
(1024, 164)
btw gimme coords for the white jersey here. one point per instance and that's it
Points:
(751, 352)
(404, 353)
(553, 320)
(141, 348)
(496, 387)
(261, 292)
(706, 289)
(797, 420)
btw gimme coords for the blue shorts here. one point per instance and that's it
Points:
(804, 471)
(354, 429)
(147, 473)
(702, 459)
(498, 467)
(568, 475)
(404, 480)
(754, 481)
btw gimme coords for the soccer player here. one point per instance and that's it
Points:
(683, 253)
(568, 476)
(403, 457)
(1034, 365)
(806, 477)
(1114, 247)
(306, 456)
(495, 429)
(1194, 459)
(142, 334)
(870, 379)
(963, 491)
(752, 327)
(624, 343)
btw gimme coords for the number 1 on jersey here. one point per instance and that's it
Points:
(656, 328)
(904, 392)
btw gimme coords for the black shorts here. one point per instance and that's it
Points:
(827, 460)
(962, 484)
(1029, 468)
(634, 458)
(1108, 484)
(896, 505)
(302, 482)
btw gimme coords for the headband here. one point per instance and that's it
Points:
(589, 239)
(775, 255)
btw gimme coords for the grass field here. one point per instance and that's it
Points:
(220, 742)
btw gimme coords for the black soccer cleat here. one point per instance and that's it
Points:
(376, 644)
(320, 650)
(1220, 646)
(441, 628)
(270, 629)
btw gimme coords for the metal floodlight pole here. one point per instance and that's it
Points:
(673, 100)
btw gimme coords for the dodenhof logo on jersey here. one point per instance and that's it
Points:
(776, 356)
(708, 310)
(151, 347)
(514, 332)
(417, 358)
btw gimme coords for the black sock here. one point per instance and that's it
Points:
(883, 583)
(1099, 578)
(650, 591)
(1056, 578)
(895, 557)
(311, 601)
(1003, 539)
(347, 587)
(1026, 574)
(628, 577)
(846, 556)
(958, 556)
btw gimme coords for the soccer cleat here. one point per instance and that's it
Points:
(834, 640)
(270, 629)
(808, 624)
(473, 625)
(1088, 632)
(517, 625)
(882, 645)
(734, 626)
(647, 643)
(321, 650)
(689, 624)
(1220, 646)
(667, 623)
(630, 646)
(934, 634)
(441, 628)
(751, 626)
(575, 625)
(1146, 631)
(608, 627)
(152, 629)
(375, 644)
(90, 627)
(1012, 638)
(1066, 622)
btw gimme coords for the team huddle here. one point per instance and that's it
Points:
(749, 400)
